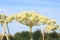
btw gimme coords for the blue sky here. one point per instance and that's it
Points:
(48, 8)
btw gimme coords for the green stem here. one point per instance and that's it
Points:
(42, 34)
(8, 31)
(31, 33)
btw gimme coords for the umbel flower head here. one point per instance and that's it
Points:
(53, 21)
(9, 19)
(3, 17)
(30, 18)
(51, 27)
(26, 18)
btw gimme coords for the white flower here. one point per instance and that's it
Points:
(32, 19)
(3, 15)
(23, 16)
(18, 16)
(53, 21)
(51, 27)
(11, 17)
(48, 22)
(20, 20)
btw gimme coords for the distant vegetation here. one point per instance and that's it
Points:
(36, 36)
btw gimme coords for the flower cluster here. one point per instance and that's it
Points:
(31, 18)
(51, 27)
(3, 17)
(9, 19)
(26, 18)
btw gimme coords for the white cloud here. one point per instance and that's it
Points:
(3, 10)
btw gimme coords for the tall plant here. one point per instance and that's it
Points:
(31, 19)
(43, 21)
(52, 26)
(3, 17)
(8, 20)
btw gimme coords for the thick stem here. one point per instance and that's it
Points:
(8, 29)
(31, 33)
(4, 30)
(7, 36)
(42, 34)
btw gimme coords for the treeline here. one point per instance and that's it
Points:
(25, 35)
